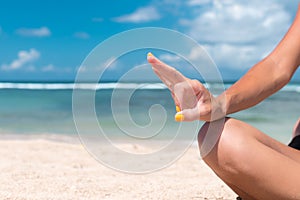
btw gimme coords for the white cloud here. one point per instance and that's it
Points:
(48, 68)
(34, 32)
(24, 58)
(82, 35)
(198, 2)
(30, 68)
(235, 56)
(169, 58)
(52, 68)
(239, 23)
(144, 14)
(196, 53)
(235, 33)
(109, 64)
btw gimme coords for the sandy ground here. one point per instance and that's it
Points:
(45, 169)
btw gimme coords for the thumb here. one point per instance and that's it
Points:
(188, 115)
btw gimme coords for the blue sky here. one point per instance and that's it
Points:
(48, 40)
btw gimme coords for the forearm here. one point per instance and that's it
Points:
(261, 81)
(266, 77)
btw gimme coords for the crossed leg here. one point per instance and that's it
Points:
(253, 164)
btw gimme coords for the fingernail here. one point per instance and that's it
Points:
(179, 117)
(177, 109)
(149, 54)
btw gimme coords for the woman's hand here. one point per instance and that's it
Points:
(193, 101)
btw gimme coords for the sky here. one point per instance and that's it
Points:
(48, 40)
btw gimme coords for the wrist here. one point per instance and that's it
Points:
(220, 107)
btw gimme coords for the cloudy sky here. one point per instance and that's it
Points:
(48, 40)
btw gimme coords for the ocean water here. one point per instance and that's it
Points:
(46, 109)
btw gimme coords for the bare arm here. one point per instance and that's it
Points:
(194, 101)
(267, 76)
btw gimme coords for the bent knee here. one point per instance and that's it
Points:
(223, 146)
(210, 134)
(210, 129)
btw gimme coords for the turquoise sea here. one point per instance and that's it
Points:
(45, 109)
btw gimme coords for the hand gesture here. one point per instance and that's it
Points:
(193, 101)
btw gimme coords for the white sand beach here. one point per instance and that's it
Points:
(45, 169)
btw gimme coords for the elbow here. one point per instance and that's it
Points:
(282, 77)
(282, 71)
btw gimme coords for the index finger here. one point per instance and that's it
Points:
(164, 71)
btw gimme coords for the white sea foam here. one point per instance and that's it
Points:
(99, 86)
(292, 88)
(84, 86)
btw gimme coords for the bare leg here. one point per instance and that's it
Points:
(253, 164)
(240, 192)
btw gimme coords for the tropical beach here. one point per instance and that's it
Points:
(89, 110)
(42, 156)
